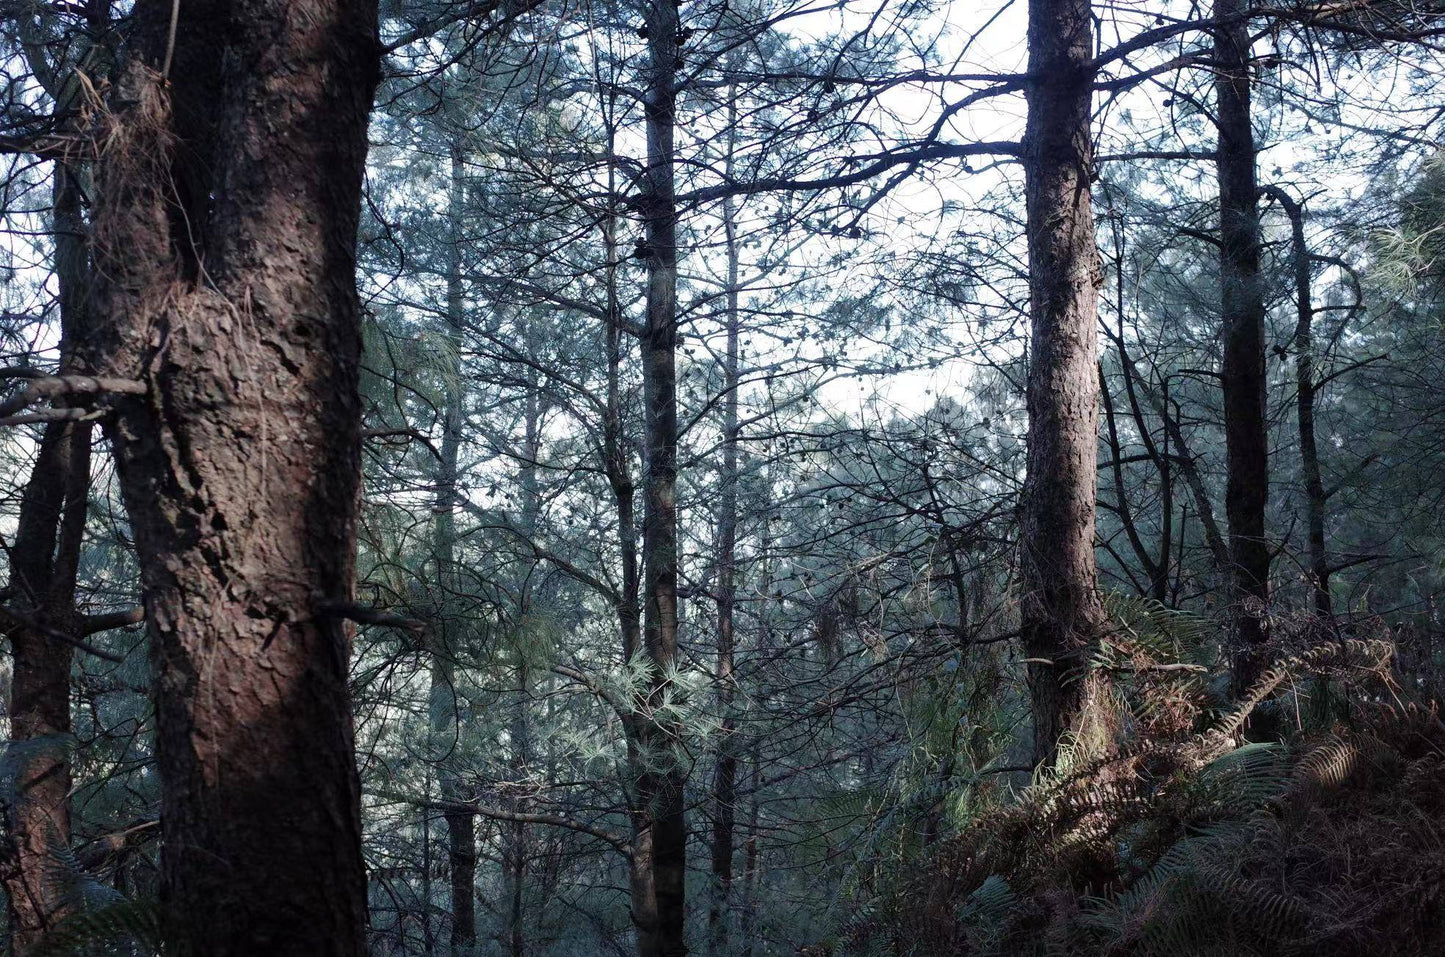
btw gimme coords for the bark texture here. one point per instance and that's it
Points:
(1242, 371)
(1061, 610)
(225, 230)
(660, 822)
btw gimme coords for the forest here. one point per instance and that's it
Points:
(722, 477)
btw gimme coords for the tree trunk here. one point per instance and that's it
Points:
(44, 563)
(225, 231)
(515, 854)
(1304, 363)
(1156, 573)
(50, 531)
(1061, 610)
(517, 844)
(1242, 372)
(661, 777)
(450, 632)
(725, 782)
(640, 868)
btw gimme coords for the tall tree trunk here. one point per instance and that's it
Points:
(1304, 363)
(661, 776)
(450, 632)
(751, 851)
(725, 782)
(224, 236)
(515, 854)
(1061, 610)
(44, 564)
(1242, 315)
(517, 850)
(616, 455)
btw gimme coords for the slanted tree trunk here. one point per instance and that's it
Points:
(1159, 568)
(1304, 364)
(1061, 610)
(1156, 572)
(224, 237)
(1242, 371)
(450, 632)
(662, 826)
(44, 563)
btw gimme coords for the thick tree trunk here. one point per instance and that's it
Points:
(225, 233)
(1242, 372)
(1061, 611)
(660, 778)
(44, 564)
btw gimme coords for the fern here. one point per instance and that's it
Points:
(123, 928)
(72, 883)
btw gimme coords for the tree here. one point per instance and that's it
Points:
(1242, 371)
(660, 832)
(1062, 616)
(224, 238)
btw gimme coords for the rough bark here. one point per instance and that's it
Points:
(660, 812)
(1061, 613)
(240, 467)
(1242, 318)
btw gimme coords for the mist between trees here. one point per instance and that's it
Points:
(733, 477)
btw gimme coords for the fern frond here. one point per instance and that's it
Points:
(126, 928)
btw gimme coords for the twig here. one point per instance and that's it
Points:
(51, 415)
(91, 624)
(52, 386)
(367, 615)
(12, 619)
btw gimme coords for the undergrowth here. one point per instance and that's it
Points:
(1187, 838)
